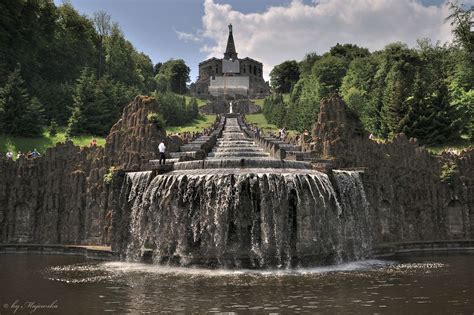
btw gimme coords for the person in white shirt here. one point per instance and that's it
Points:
(162, 149)
(9, 155)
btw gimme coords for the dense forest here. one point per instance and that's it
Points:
(426, 92)
(61, 69)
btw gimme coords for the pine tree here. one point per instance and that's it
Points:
(20, 115)
(84, 108)
(430, 117)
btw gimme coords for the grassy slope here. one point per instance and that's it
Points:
(41, 143)
(198, 124)
(262, 123)
(200, 101)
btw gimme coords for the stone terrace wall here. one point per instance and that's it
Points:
(403, 181)
(62, 197)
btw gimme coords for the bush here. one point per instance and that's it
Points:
(108, 177)
(157, 119)
(448, 172)
(53, 128)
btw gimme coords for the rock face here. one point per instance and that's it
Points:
(413, 194)
(133, 141)
(62, 197)
(337, 128)
(59, 198)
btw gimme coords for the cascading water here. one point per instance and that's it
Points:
(255, 219)
(242, 208)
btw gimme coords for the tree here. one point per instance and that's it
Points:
(173, 76)
(357, 87)
(329, 72)
(284, 76)
(83, 105)
(174, 109)
(306, 65)
(103, 27)
(348, 52)
(20, 115)
(463, 23)
(274, 110)
(391, 87)
(156, 68)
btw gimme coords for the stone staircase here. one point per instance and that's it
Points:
(234, 144)
(194, 150)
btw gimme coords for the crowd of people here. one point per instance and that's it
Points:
(30, 155)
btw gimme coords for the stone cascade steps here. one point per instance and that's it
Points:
(194, 150)
(235, 149)
(234, 145)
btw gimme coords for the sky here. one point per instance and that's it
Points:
(270, 31)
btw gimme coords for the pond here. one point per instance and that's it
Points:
(43, 284)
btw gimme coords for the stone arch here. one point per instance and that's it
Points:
(455, 222)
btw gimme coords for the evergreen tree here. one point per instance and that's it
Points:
(20, 115)
(430, 118)
(83, 105)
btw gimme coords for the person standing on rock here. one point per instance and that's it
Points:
(162, 149)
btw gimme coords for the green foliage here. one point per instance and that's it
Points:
(196, 125)
(425, 92)
(109, 176)
(173, 76)
(25, 144)
(157, 119)
(357, 85)
(54, 44)
(20, 114)
(284, 76)
(175, 110)
(261, 122)
(53, 128)
(461, 20)
(449, 171)
(306, 65)
(274, 110)
(97, 104)
(348, 52)
(329, 72)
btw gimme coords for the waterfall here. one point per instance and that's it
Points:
(257, 219)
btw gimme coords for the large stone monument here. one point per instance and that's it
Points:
(231, 77)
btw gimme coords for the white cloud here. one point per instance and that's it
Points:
(289, 32)
(188, 37)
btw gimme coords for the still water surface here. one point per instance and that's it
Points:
(74, 285)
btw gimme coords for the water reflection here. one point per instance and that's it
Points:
(417, 284)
